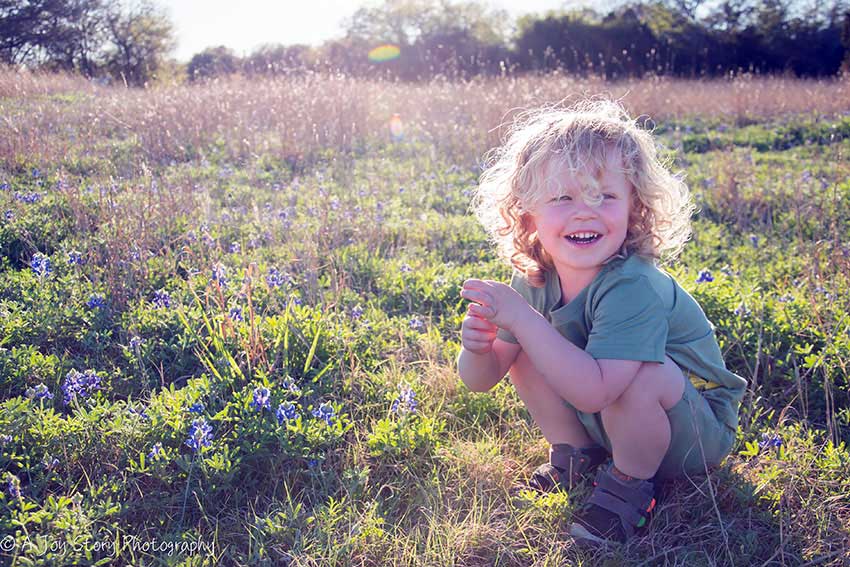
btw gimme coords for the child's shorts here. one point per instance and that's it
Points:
(697, 438)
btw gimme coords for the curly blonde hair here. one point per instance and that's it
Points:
(581, 138)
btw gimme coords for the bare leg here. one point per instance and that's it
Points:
(637, 424)
(557, 422)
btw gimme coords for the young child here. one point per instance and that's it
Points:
(609, 354)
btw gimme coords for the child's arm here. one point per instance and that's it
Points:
(588, 384)
(484, 359)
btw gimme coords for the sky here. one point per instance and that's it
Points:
(242, 25)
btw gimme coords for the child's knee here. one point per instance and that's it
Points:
(654, 383)
(522, 371)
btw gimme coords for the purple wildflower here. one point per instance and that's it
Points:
(82, 384)
(405, 402)
(200, 434)
(40, 392)
(96, 301)
(325, 412)
(40, 264)
(261, 398)
(13, 486)
(75, 257)
(286, 411)
(704, 276)
(767, 441)
(219, 275)
(235, 313)
(155, 452)
(162, 299)
(197, 407)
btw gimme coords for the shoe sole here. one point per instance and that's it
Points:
(580, 532)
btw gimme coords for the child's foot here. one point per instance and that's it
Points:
(616, 510)
(567, 467)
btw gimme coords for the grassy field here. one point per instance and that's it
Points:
(229, 315)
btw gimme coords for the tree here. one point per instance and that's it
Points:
(212, 62)
(87, 36)
(140, 37)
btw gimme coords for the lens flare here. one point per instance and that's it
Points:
(386, 52)
(396, 128)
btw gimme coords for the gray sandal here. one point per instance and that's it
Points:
(567, 467)
(615, 510)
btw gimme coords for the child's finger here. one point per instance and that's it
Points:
(480, 311)
(480, 347)
(476, 296)
(474, 322)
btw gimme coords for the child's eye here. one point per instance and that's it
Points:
(609, 196)
(561, 199)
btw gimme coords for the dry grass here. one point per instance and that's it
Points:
(295, 118)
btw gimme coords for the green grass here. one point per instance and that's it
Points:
(371, 246)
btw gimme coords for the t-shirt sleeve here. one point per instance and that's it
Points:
(628, 322)
(519, 282)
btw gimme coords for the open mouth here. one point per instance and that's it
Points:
(583, 237)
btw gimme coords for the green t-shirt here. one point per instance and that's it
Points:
(634, 311)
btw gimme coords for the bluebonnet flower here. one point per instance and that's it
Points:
(49, 462)
(286, 411)
(82, 384)
(28, 198)
(40, 392)
(785, 298)
(200, 434)
(261, 398)
(9, 215)
(325, 412)
(356, 312)
(704, 276)
(96, 301)
(156, 450)
(40, 264)
(235, 313)
(219, 274)
(135, 343)
(36, 173)
(754, 240)
(295, 299)
(312, 463)
(768, 440)
(405, 402)
(197, 407)
(75, 257)
(5, 440)
(290, 386)
(273, 278)
(235, 248)
(405, 268)
(742, 310)
(417, 324)
(162, 299)
(13, 486)
(4, 186)
(806, 177)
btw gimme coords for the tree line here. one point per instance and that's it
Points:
(455, 38)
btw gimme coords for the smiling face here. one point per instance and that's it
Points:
(579, 228)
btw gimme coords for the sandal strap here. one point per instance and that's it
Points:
(634, 496)
(630, 517)
(575, 462)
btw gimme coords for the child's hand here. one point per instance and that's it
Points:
(477, 334)
(496, 302)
